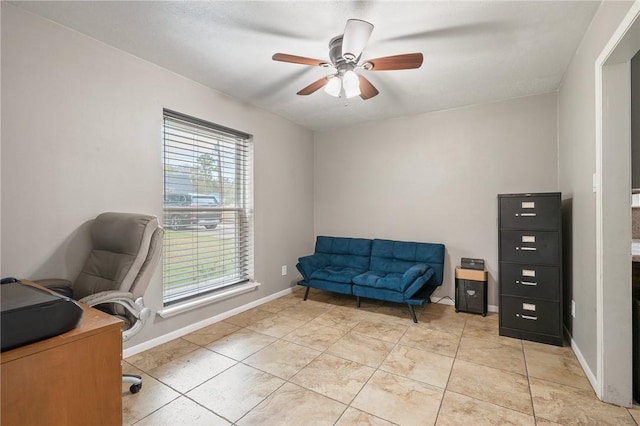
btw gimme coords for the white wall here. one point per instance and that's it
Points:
(81, 135)
(435, 177)
(577, 145)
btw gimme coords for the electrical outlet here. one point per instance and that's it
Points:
(284, 270)
(573, 308)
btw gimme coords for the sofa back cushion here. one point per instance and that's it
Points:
(398, 256)
(345, 252)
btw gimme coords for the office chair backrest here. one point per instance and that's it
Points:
(126, 249)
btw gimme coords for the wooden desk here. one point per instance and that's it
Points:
(70, 379)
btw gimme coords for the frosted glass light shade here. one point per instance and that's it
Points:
(333, 87)
(351, 84)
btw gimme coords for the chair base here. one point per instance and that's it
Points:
(135, 380)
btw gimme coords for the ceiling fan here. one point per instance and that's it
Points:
(344, 53)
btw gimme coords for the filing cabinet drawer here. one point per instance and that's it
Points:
(539, 212)
(539, 316)
(536, 281)
(530, 247)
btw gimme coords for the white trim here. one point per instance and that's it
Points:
(133, 350)
(581, 359)
(208, 299)
(618, 35)
(598, 388)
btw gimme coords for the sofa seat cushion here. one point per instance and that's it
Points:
(339, 274)
(375, 279)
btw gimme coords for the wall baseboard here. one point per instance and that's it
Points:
(133, 350)
(450, 302)
(583, 362)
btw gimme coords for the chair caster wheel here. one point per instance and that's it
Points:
(135, 388)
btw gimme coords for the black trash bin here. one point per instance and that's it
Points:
(636, 345)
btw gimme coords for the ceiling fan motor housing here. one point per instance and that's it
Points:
(335, 54)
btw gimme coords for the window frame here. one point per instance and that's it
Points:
(240, 163)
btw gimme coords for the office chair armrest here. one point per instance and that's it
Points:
(124, 299)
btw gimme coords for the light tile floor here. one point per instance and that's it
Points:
(324, 362)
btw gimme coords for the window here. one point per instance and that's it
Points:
(207, 207)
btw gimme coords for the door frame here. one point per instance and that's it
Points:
(612, 184)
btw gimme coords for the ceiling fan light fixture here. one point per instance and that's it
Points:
(333, 87)
(351, 84)
(356, 35)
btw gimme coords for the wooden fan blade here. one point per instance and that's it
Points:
(318, 84)
(397, 62)
(283, 57)
(367, 90)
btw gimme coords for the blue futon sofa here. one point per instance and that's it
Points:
(394, 271)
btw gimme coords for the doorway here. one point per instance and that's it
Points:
(613, 212)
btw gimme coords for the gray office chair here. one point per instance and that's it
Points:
(126, 248)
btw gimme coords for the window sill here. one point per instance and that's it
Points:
(180, 308)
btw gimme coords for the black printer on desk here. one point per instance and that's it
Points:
(29, 314)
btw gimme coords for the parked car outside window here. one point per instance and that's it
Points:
(185, 210)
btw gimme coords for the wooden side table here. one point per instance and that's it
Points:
(74, 378)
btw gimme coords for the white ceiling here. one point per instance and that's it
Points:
(475, 52)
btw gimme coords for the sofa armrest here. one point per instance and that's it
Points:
(411, 274)
(308, 264)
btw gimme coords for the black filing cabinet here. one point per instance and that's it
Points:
(530, 251)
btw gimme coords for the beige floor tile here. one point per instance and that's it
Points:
(206, 335)
(449, 323)
(492, 354)
(399, 400)
(237, 390)
(246, 318)
(558, 350)
(151, 397)
(440, 342)
(339, 317)
(276, 325)
(489, 334)
(192, 369)
(282, 359)
(162, 354)
(556, 366)
(356, 417)
(293, 405)
(571, 406)
(635, 412)
(334, 377)
(416, 364)
(441, 309)
(241, 344)
(461, 410)
(490, 321)
(398, 312)
(381, 329)
(182, 411)
(277, 305)
(315, 336)
(360, 348)
(305, 311)
(503, 388)
(544, 422)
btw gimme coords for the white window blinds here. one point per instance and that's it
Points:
(208, 241)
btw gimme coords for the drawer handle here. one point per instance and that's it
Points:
(526, 214)
(526, 283)
(526, 248)
(527, 317)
